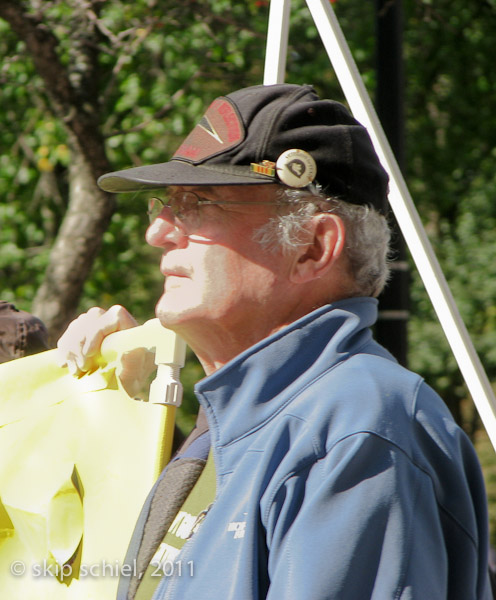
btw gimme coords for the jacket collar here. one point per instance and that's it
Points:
(258, 383)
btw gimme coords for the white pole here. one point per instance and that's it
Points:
(404, 210)
(277, 42)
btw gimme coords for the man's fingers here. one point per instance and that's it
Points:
(80, 345)
(116, 318)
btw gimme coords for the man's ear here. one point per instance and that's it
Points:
(323, 251)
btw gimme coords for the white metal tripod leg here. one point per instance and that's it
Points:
(277, 42)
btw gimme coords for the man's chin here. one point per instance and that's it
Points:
(170, 315)
(166, 318)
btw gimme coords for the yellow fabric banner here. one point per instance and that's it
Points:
(77, 459)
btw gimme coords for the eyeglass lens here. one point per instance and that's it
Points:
(184, 206)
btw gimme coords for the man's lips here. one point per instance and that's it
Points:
(169, 274)
(174, 271)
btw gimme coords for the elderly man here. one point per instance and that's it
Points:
(326, 470)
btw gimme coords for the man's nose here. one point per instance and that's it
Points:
(166, 231)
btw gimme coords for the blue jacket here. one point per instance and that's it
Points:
(340, 475)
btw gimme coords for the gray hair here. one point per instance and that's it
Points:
(367, 234)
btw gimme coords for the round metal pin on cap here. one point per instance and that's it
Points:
(296, 168)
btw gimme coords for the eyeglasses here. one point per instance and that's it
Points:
(185, 206)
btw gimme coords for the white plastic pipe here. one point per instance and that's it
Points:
(170, 354)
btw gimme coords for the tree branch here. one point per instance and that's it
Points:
(79, 115)
(74, 101)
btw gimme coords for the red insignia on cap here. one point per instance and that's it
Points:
(219, 130)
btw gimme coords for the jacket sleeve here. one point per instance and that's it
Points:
(360, 522)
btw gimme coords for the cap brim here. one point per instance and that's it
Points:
(178, 172)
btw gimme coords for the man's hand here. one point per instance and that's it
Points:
(79, 346)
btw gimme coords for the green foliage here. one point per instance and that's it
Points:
(451, 103)
(32, 155)
(466, 250)
(450, 99)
